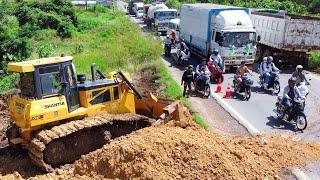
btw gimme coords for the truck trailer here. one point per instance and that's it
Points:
(289, 38)
(205, 27)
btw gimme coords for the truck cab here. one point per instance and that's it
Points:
(233, 35)
(162, 18)
(138, 9)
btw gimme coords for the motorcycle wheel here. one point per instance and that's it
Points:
(247, 93)
(207, 91)
(301, 122)
(280, 113)
(276, 88)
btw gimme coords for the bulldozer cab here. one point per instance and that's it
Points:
(48, 78)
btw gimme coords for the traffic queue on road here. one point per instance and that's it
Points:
(223, 37)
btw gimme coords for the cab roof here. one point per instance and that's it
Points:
(29, 66)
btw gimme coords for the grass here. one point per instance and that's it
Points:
(111, 41)
(173, 90)
(314, 62)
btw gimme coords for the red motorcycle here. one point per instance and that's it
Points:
(216, 72)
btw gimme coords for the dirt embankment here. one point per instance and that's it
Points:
(188, 151)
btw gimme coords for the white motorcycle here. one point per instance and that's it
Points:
(183, 56)
(304, 91)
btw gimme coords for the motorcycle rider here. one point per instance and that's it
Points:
(240, 72)
(264, 60)
(267, 69)
(217, 60)
(291, 93)
(201, 70)
(186, 79)
(182, 47)
(300, 75)
(167, 44)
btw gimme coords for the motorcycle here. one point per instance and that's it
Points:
(216, 72)
(303, 89)
(274, 82)
(202, 84)
(294, 114)
(245, 86)
(183, 56)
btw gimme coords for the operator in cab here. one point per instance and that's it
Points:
(267, 69)
(217, 60)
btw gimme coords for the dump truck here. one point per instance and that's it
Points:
(138, 9)
(162, 19)
(205, 27)
(59, 116)
(131, 5)
(289, 38)
(151, 12)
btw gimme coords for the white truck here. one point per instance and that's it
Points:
(138, 9)
(289, 38)
(205, 27)
(150, 17)
(162, 18)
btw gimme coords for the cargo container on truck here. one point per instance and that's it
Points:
(288, 38)
(205, 27)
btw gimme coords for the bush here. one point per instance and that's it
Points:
(314, 61)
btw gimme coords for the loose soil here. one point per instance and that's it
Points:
(185, 150)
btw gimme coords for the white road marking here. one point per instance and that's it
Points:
(300, 175)
(243, 121)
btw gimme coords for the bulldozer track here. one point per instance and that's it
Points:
(43, 138)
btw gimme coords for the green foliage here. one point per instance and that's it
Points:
(314, 61)
(199, 120)
(45, 49)
(174, 4)
(8, 82)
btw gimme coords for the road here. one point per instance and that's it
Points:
(257, 114)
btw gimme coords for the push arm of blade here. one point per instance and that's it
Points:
(167, 113)
(136, 92)
(101, 74)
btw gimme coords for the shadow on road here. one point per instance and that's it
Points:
(275, 123)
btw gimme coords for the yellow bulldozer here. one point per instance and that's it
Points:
(59, 116)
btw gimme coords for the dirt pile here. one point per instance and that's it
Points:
(4, 116)
(191, 152)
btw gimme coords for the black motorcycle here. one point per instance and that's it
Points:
(294, 114)
(274, 82)
(202, 84)
(245, 86)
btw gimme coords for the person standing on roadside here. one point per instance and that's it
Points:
(187, 79)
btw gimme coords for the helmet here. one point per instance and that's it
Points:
(190, 67)
(168, 36)
(292, 80)
(265, 59)
(243, 62)
(215, 51)
(270, 59)
(299, 67)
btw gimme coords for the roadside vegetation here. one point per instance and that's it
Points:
(99, 35)
(314, 62)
